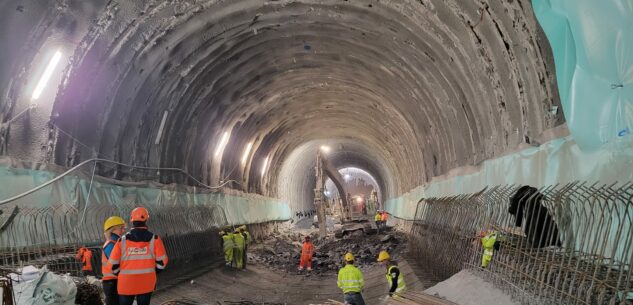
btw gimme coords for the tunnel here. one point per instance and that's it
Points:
(211, 114)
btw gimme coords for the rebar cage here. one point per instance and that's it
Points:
(587, 262)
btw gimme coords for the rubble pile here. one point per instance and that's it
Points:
(88, 294)
(283, 252)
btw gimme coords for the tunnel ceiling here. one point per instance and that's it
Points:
(406, 89)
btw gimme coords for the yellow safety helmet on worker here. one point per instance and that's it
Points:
(349, 257)
(113, 221)
(383, 256)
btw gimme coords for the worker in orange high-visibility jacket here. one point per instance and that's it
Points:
(383, 219)
(113, 229)
(84, 255)
(135, 260)
(307, 251)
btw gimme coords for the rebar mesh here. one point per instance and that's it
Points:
(588, 262)
(32, 234)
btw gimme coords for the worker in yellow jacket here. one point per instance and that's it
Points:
(351, 281)
(227, 245)
(395, 278)
(238, 248)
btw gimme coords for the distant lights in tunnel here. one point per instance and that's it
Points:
(247, 150)
(46, 76)
(326, 149)
(223, 141)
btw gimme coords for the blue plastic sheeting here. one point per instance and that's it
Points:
(238, 208)
(592, 42)
(557, 161)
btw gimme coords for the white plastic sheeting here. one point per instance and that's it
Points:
(555, 162)
(593, 52)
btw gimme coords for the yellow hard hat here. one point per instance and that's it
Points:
(349, 257)
(113, 221)
(383, 255)
(222, 233)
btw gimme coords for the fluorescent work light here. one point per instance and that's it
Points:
(46, 76)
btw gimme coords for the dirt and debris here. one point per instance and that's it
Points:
(88, 294)
(468, 288)
(283, 252)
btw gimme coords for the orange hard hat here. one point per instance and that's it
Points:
(139, 214)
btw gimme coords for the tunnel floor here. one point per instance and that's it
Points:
(259, 284)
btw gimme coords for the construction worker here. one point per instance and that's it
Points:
(247, 240)
(488, 243)
(227, 245)
(238, 249)
(307, 251)
(135, 259)
(351, 281)
(84, 255)
(113, 229)
(377, 219)
(395, 279)
(383, 219)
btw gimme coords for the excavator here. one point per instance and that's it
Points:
(346, 207)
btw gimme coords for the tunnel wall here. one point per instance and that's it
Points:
(593, 53)
(555, 162)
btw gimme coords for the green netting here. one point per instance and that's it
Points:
(72, 190)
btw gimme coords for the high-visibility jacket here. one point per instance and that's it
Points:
(227, 241)
(307, 250)
(378, 217)
(383, 216)
(84, 255)
(247, 238)
(401, 284)
(135, 263)
(488, 243)
(106, 267)
(350, 279)
(239, 241)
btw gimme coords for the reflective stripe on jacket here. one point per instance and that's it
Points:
(138, 261)
(350, 279)
(106, 267)
(401, 284)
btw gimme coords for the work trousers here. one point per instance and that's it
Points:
(237, 256)
(353, 298)
(228, 256)
(111, 295)
(306, 261)
(141, 299)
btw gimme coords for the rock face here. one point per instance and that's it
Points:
(406, 90)
(282, 253)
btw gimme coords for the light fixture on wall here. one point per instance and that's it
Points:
(247, 150)
(223, 141)
(264, 167)
(46, 76)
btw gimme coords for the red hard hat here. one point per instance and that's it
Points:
(139, 214)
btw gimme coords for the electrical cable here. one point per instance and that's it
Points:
(5, 201)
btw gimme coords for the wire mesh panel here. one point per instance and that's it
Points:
(563, 244)
(49, 229)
